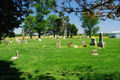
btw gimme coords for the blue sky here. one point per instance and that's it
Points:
(105, 26)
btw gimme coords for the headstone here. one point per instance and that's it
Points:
(58, 43)
(94, 52)
(75, 46)
(39, 39)
(93, 42)
(19, 41)
(25, 41)
(101, 43)
(16, 40)
(84, 45)
(78, 36)
(43, 36)
(86, 37)
(82, 42)
(7, 44)
(23, 36)
(13, 58)
(33, 37)
(43, 46)
(69, 44)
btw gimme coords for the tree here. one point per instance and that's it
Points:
(89, 23)
(29, 26)
(73, 30)
(104, 8)
(42, 9)
(68, 29)
(11, 15)
(53, 24)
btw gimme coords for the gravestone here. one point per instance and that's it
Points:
(69, 44)
(101, 43)
(16, 40)
(84, 45)
(58, 43)
(82, 42)
(93, 42)
(78, 36)
(75, 46)
(33, 37)
(43, 36)
(39, 39)
(86, 36)
(7, 44)
(19, 41)
(25, 41)
(23, 36)
(94, 52)
(13, 58)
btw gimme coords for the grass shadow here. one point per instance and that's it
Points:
(8, 73)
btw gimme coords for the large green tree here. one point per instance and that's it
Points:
(42, 9)
(71, 30)
(29, 25)
(11, 15)
(89, 23)
(53, 24)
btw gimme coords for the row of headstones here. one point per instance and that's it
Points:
(93, 42)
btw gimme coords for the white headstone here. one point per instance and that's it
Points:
(25, 41)
(39, 39)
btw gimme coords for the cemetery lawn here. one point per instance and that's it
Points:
(65, 63)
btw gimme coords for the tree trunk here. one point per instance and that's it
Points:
(89, 33)
(71, 35)
(54, 35)
(0, 38)
(31, 35)
(39, 34)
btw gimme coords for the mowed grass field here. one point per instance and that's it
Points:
(66, 63)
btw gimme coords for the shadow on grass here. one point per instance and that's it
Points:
(8, 73)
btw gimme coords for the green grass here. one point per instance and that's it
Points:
(65, 63)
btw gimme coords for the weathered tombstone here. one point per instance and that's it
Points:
(58, 43)
(82, 42)
(7, 44)
(101, 43)
(86, 36)
(78, 36)
(25, 41)
(84, 45)
(16, 40)
(23, 36)
(33, 37)
(69, 44)
(94, 52)
(43, 36)
(19, 41)
(75, 46)
(43, 46)
(13, 58)
(39, 39)
(93, 42)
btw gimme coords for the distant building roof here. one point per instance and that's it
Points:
(115, 32)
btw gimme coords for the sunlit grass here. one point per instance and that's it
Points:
(65, 62)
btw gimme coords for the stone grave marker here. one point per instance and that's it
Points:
(33, 37)
(16, 40)
(93, 42)
(7, 44)
(13, 58)
(39, 39)
(19, 41)
(94, 52)
(25, 41)
(82, 42)
(43, 36)
(75, 46)
(101, 43)
(69, 44)
(84, 45)
(23, 36)
(58, 43)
